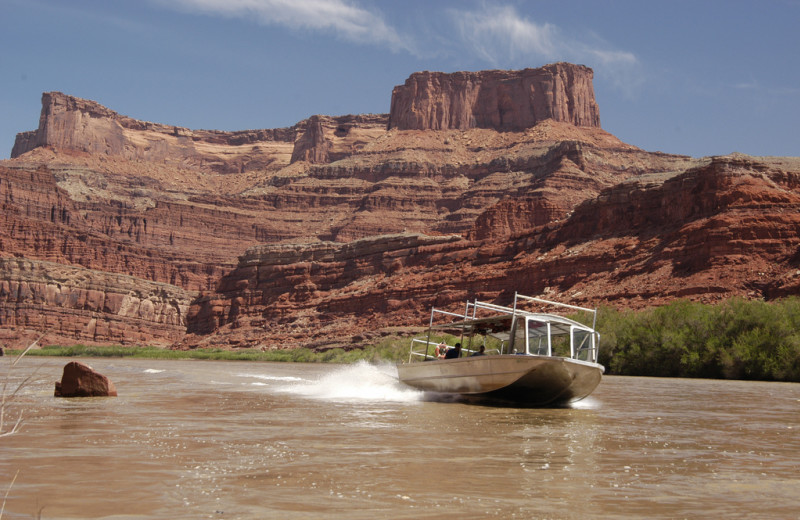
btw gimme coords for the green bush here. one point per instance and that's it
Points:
(737, 339)
(391, 349)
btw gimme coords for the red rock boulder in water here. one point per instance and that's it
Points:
(80, 380)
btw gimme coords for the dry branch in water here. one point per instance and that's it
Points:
(6, 397)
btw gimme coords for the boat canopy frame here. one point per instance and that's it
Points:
(504, 325)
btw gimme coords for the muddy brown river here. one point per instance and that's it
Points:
(234, 440)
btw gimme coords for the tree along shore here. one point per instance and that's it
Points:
(737, 339)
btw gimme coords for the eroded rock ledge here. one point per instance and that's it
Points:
(71, 123)
(274, 284)
(90, 306)
(497, 99)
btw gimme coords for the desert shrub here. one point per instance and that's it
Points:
(738, 339)
(390, 349)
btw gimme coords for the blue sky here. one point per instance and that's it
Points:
(698, 77)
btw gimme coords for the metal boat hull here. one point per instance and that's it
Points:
(532, 380)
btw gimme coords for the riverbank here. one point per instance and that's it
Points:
(736, 339)
(388, 350)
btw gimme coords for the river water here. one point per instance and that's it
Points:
(235, 440)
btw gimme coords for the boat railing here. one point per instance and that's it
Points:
(477, 305)
(424, 349)
(487, 352)
(417, 343)
(446, 313)
(557, 304)
(420, 348)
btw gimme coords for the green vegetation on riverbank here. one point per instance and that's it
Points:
(737, 339)
(388, 350)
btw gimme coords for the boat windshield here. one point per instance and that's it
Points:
(583, 346)
(487, 329)
(537, 338)
(546, 338)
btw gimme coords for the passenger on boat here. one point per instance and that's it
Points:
(454, 352)
(481, 351)
(441, 350)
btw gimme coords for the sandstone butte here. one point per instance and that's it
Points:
(341, 229)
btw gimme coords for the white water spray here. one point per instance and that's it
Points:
(264, 379)
(360, 381)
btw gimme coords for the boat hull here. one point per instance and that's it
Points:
(532, 380)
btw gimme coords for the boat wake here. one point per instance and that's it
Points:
(358, 382)
(266, 380)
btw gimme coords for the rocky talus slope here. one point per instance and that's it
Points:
(338, 229)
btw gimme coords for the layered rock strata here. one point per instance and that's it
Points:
(72, 123)
(171, 242)
(498, 99)
(67, 122)
(728, 227)
(74, 304)
(115, 230)
(284, 291)
(326, 139)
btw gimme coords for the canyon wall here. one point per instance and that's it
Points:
(42, 220)
(76, 305)
(72, 123)
(343, 228)
(728, 227)
(326, 139)
(498, 99)
(67, 122)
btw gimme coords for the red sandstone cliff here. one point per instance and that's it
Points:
(71, 123)
(77, 305)
(498, 99)
(118, 230)
(729, 226)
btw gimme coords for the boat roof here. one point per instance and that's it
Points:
(557, 323)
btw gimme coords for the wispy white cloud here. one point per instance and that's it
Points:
(498, 34)
(747, 85)
(786, 91)
(493, 32)
(607, 56)
(755, 86)
(341, 17)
